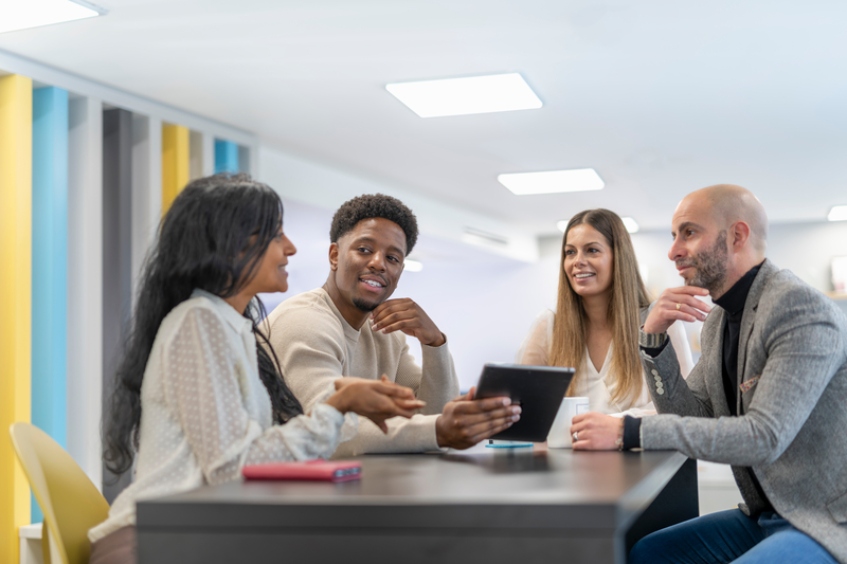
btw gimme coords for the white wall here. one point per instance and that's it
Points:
(485, 309)
(807, 249)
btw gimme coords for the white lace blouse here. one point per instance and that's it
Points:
(205, 412)
(595, 384)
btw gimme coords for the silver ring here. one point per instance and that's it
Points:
(575, 436)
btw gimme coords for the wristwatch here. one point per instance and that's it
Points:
(651, 340)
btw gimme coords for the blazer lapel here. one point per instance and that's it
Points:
(748, 321)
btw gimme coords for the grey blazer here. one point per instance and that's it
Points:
(792, 405)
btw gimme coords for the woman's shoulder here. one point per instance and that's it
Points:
(535, 347)
(543, 323)
(198, 302)
(547, 316)
(199, 307)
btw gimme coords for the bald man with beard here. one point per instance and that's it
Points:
(768, 396)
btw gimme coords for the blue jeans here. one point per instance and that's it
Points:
(730, 536)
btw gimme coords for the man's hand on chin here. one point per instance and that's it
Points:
(403, 314)
(677, 304)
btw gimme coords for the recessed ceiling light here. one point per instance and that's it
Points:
(552, 182)
(837, 213)
(468, 95)
(482, 238)
(24, 14)
(412, 265)
(630, 224)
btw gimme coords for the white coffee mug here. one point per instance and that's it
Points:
(560, 433)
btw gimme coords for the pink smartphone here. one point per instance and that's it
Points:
(321, 470)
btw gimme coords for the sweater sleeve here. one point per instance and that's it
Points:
(310, 345)
(435, 382)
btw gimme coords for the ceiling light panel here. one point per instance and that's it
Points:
(24, 14)
(469, 95)
(837, 213)
(552, 182)
(630, 224)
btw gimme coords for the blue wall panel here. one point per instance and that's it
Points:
(226, 156)
(49, 264)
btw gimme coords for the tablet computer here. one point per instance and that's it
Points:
(538, 389)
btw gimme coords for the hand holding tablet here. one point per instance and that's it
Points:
(538, 389)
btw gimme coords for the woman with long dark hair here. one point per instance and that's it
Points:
(602, 303)
(197, 392)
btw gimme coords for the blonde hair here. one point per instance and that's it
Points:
(628, 298)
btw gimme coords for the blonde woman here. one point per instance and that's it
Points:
(602, 303)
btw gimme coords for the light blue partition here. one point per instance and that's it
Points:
(226, 156)
(49, 264)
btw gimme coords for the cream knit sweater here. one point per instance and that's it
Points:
(315, 345)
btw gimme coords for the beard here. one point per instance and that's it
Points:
(362, 305)
(710, 266)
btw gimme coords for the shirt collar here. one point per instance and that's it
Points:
(733, 299)
(230, 315)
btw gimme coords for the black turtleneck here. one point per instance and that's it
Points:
(732, 302)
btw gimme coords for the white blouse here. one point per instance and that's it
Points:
(205, 412)
(597, 385)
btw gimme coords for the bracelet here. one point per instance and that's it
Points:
(619, 440)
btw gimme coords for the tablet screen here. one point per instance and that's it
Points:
(538, 389)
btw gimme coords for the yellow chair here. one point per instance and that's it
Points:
(70, 502)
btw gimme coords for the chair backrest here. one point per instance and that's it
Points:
(70, 502)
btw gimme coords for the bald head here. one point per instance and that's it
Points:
(728, 204)
(719, 233)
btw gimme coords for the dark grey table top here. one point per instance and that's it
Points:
(524, 488)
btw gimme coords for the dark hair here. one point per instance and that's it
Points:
(369, 206)
(212, 238)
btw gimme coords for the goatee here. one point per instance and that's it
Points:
(362, 305)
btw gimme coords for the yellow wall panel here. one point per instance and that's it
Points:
(15, 299)
(176, 162)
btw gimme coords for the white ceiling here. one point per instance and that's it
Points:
(660, 97)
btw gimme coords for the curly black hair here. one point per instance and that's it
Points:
(370, 206)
